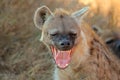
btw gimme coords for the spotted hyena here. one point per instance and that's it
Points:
(79, 54)
(111, 36)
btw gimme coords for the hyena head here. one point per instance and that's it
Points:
(60, 31)
(111, 37)
(113, 41)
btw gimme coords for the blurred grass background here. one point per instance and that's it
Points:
(22, 56)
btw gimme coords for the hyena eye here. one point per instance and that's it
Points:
(73, 34)
(110, 41)
(53, 35)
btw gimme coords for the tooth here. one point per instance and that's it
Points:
(58, 64)
(66, 64)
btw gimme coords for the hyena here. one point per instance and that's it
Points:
(111, 36)
(79, 54)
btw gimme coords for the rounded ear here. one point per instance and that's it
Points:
(41, 15)
(81, 13)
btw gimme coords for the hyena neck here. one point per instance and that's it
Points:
(80, 53)
(92, 55)
(101, 60)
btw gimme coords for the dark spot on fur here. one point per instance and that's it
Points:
(92, 42)
(95, 63)
(96, 40)
(61, 16)
(91, 51)
(97, 56)
(92, 48)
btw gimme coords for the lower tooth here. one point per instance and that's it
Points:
(66, 64)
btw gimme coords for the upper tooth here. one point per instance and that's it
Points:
(59, 51)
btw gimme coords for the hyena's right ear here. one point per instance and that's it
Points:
(40, 16)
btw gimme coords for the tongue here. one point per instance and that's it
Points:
(62, 58)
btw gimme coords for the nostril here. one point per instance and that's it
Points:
(62, 44)
(68, 43)
(119, 47)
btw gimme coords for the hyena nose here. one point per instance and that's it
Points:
(118, 45)
(65, 44)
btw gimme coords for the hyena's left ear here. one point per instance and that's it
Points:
(41, 15)
(81, 13)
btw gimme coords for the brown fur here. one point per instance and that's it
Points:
(100, 64)
(90, 59)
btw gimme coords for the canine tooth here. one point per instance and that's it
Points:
(58, 64)
(55, 50)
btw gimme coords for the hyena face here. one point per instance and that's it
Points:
(60, 32)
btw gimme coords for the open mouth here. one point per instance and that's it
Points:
(62, 58)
